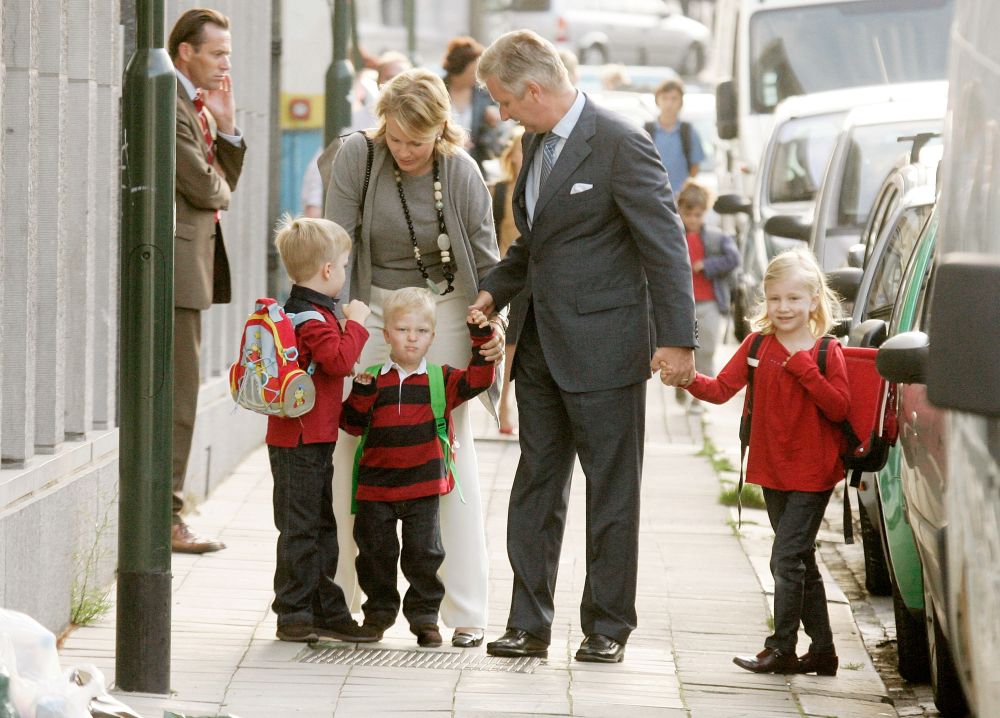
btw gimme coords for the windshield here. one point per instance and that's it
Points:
(798, 51)
(801, 149)
(872, 153)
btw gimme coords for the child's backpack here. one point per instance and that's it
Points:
(267, 377)
(870, 428)
(435, 379)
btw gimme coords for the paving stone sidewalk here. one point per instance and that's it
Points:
(704, 596)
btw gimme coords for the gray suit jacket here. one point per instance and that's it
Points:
(597, 261)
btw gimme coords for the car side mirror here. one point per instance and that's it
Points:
(787, 225)
(869, 333)
(845, 281)
(733, 204)
(856, 256)
(726, 119)
(962, 370)
(902, 359)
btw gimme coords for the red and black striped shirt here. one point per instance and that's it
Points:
(402, 457)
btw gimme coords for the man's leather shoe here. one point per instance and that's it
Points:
(183, 541)
(516, 643)
(600, 649)
(770, 660)
(822, 664)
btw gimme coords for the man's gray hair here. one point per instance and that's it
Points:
(523, 56)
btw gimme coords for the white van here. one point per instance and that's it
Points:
(767, 50)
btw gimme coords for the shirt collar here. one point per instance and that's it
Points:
(403, 374)
(312, 296)
(189, 87)
(565, 126)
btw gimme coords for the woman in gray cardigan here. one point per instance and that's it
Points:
(426, 220)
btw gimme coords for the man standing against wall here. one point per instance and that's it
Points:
(601, 244)
(210, 153)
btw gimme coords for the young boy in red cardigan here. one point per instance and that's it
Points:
(402, 470)
(309, 605)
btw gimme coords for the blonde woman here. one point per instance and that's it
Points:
(425, 221)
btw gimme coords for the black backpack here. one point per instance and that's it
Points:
(685, 129)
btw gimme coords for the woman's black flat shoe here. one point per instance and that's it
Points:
(465, 639)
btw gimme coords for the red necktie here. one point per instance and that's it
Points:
(206, 133)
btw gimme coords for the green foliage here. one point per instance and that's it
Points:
(753, 497)
(89, 600)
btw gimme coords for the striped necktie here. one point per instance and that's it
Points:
(548, 157)
(206, 131)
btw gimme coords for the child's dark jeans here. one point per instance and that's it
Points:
(798, 586)
(378, 552)
(304, 589)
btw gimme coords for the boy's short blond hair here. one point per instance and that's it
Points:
(411, 299)
(307, 243)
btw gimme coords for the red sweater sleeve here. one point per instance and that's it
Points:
(463, 384)
(830, 391)
(356, 416)
(731, 379)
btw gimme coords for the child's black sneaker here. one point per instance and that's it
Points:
(297, 632)
(428, 635)
(348, 631)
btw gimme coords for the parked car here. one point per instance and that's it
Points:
(639, 78)
(631, 32)
(867, 147)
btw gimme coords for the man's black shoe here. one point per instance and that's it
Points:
(600, 649)
(516, 643)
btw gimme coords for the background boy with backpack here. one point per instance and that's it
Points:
(404, 461)
(677, 141)
(309, 605)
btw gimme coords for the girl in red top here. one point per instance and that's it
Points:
(795, 445)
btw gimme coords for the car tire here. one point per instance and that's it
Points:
(694, 61)
(911, 642)
(948, 694)
(595, 54)
(877, 580)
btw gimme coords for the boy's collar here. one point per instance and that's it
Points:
(312, 296)
(390, 365)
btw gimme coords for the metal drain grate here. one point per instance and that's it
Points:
(416, 659)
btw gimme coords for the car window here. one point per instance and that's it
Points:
(888, 271)
(872, 151)
(802, 50)
(911, 294)
(801, 150)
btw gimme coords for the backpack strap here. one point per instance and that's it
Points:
(685, 130)
(650, 128)
(752, 362)
(300, 318)
(852, 477)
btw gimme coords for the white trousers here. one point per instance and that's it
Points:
(465, 571)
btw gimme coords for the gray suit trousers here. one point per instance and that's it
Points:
(606, 430)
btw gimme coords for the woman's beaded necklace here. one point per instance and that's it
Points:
(443, 241)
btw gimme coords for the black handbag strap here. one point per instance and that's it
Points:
(745, 421)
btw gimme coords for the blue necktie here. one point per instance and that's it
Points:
(548, 157)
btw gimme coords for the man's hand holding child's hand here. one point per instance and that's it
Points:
(357, 311)
(477, 317)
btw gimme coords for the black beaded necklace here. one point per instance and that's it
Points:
(443, 241)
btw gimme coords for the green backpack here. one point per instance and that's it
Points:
(435, 378)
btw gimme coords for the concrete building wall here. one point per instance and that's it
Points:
(60, 89)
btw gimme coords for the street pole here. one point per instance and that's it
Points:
(142, 647)
(339, 76)
(410, 20)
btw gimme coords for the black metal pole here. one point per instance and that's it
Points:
(142, 655)
(339, 76)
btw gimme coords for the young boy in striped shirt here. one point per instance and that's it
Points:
(402, 470)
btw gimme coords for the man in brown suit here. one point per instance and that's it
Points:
(210, 153)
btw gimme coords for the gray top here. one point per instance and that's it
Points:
(468, 215)
(393, 263)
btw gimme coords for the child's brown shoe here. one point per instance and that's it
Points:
(428, 635)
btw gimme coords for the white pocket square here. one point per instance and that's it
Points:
(580, 187)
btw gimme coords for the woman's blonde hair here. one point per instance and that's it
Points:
(508, 172)
(418, 101)
(305, 244)
(411, 299)
(801, 264)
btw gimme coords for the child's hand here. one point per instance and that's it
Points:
(477, 317)
(357, 311)
(364, 378)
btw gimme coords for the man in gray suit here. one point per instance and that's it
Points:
(601, 250)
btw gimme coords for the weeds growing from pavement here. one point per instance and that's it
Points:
(753, 497)
(89, 600)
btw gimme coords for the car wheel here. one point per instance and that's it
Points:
(911, 642)
(593, 55)
(694, 61)
(948, 694)
(876, 569)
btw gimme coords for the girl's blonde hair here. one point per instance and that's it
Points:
(801, 264)
(411, 299)
(305, 244)
(418, 101)
(508, 172)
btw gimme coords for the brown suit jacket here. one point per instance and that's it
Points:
(201, 268)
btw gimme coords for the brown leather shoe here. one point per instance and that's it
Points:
(770, 660)
(183, 541)
(822, 664)
(428, 635)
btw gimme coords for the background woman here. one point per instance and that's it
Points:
(471, 105)
(426, 222)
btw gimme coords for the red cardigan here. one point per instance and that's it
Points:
(335, 351)
(795, 442)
